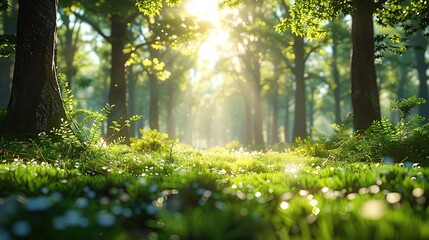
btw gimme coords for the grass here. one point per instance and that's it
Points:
(118, 193)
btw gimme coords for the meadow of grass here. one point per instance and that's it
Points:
(118, 192)
(69, 185)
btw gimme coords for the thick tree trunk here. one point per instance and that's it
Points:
(5, 80)
(300, 128)
(364, 91)
(422, 67)
(337, 87)
(118, 84)
(9, 27)
(35, 104)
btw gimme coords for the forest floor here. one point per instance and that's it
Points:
(118, 193)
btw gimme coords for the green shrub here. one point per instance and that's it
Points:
(408, 140)
(152, 141)
(317, 148)
(233, 145)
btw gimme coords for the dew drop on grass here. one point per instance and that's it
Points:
(21, 228)
(284, 205)
(59, 223)
(373, 209)
(388, 160)
(363, 191)
(303, 193)
(81, 202)
(105, 219)
(374, 189)
(393, 197)
(315, 211)
(352, 196)
(44, 190)
(37, 204)
(4, 234)
(244, 212)
(418, 192)
(324, 189)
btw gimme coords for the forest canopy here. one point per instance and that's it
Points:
(264, 71)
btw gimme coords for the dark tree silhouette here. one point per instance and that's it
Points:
(35, 104)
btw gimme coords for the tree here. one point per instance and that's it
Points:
(306, 18)
(6, 49)
(69, 40)
(35, 105)
(421, 66)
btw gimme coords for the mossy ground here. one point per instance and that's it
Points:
(118, 193)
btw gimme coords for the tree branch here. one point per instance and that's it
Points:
(93, 24)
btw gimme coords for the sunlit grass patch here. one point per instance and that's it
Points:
(120, 193)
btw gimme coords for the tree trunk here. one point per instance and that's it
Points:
(132, 84)
(9, 27)
(336, 76)
(300, 128)
(35, 104)
(153, 105)
(422, 67)
(287, 119)
(259, 137)
(118, 84)
(275, 114)
(311, 110)
(69, 47)
(171, 128)
(364, 91)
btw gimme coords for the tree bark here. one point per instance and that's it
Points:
(9, 27)
(118, 84)
(287, 119)
(171, 128)
(69, 47)
(336, 76)
(132, 84)
(422, 67)
(275, 106)
(154, 99)
(300, 128)
(259, 137)
(364, 90)
(35, 104)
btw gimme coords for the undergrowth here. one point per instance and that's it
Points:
(157, 188)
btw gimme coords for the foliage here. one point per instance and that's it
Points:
(81, 132)
(152, 141)
(153, 7)
(260, 196)
(233, 145)
(7, 41)
(7, 45)
(307, 18)
(383, 141)
(317, 148)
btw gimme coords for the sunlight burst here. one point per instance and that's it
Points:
(204, 10)
(207, 10)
